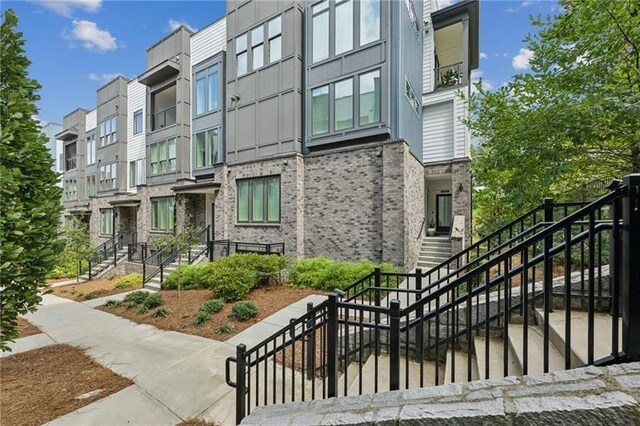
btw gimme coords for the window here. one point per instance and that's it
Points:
(257, 48)
(106, 221)
(275, 39)
(344, 27)
(241, 55)
(259, 200)
(411, 96)
(91, 149)
(70, 189)
(163, 156)
(162, 214)
(369, 21)
(137, 122)
(108, 176)
(320, 110)
(320, 31)
(90, 186)
(140, 171)
(70, 156)
(343, 107)
(108, 131)
(132, 174)
(207, 90)
(163, 104)
(207, 148)
(370, 98)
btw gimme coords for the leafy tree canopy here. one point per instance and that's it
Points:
(29, 196)
(574, 119)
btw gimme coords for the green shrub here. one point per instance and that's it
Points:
(113, 303)
(266, 267)
(244, 310)
(66, 266)
(153, 301)
(129, 281)
(212, 306)
(89, 296)
(201, 318)
(226, 328)
(143, 310)
(137, 297)
(160, 311)
(230, 284)
(321, 273)
(191, 277)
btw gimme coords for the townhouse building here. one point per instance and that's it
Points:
(325, 125)
(50, 130)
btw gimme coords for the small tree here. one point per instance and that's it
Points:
(29, 196)
(78, 244)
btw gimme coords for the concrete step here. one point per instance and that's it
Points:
(436, 246)
(495, 359)
(152, 286)
(535, 349)
(459, 367)
(432, 259)
(435, 252)
(437, 238)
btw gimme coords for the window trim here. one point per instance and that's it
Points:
(207, 73)
(243, 51)
(272, 37)
(137, 131)
(265, 206)
(90, 154)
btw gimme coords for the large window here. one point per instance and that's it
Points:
(108, 131)
(208, 149)
(207, 90)
(320, 110)
(258, 200)
(241, 55)
(320, 31)
(275, 39)
(70, 189)
(344, 27)
(163, 156)
(91, 149)
(343, 106)
(370, 97)
(106, 221)
(257, 48)
(70, 156)
(137, 122)
(162, 214)
(369, 21)
(108, 176)
(90, 186)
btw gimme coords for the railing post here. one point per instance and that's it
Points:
(115, 253)
(419, 314)
(241, 374)
(394, 346)
(376, 300)
(144, 271)
(311, 344)
(630, 268)
(210, 250)
(332, 346)
(547, 280)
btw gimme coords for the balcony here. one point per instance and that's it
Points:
(448, 76)
(164, 118)
(70, 163)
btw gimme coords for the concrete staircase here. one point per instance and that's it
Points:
(106, 265)
(434, 251)
(155, 283)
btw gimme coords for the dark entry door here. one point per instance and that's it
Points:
(443, 213)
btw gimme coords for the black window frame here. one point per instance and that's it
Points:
(265, 180)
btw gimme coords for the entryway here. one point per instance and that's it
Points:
(443, 213)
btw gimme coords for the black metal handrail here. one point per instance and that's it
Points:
(202, 239)
(221, 248)
(109, 251)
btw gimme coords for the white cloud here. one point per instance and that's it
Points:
(510, 10)
(67, 7)
(521, 60)
(483, 55)
(476, 76)
(103, 78)
(526, 3)
(175, 24)
(91, 36)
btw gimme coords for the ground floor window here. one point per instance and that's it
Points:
(258, 200)
(106, 221)
(162, 214)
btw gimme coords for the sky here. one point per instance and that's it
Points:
(76, 46)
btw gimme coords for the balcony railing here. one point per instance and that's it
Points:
(449, 75)
(164, 118)
(70, 163)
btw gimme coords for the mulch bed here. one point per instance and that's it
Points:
(91, 289)
(40, 385)
(183, 308)
(25, 328)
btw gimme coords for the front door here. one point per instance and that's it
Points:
(443, 213)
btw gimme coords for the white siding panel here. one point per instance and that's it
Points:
(136, 100)
(461, 133)
(209, 41)
(427, 48)
(91, 120)
(438, 131)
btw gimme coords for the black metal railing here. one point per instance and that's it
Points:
(584, 261)
(200, 245)
(109, 253)
(449, 75)
(139, 251)
(221, 248)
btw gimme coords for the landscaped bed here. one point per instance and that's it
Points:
(25, 328)
(66, 380)
(99, 288)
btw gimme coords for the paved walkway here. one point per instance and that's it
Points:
(176, 376)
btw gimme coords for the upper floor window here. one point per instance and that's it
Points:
(320, 110)
(369, 21)
(164, 108)
(90, 186)
(241, 55)
(258, 200)
(208, 149)
(137, 122)
(207, 90)
(257, 48)
(344, 27)
(108, 176)
(370, 97)
(70, 156)
(70, 189)
(343, 104)
(163, 157)
(108, 131)
(320, 32)
(91, 149)
(265, 42)
(136, 172)
(275, 39)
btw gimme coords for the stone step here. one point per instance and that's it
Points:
(535, 349)
(495, 359)
(438, 245)
(460, 366)
(435, 252)
(437, 238)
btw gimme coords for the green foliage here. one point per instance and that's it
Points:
(212, 306)
(137, 297)
(322, 273)
(230, 284)
(129, 281)
(201, 317)
(160, 312)
(66, 266)
(78, 246)
(89, 296)
(191, 277)
(153, 301)
(113, 303)
(571, 120)
(266, 267)
(143, 310)
(29, 196)
(244, 310)
(226, 328)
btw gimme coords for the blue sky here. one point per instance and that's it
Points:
(77, 45)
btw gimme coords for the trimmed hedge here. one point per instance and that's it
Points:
(129, 281)
(322, 273)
